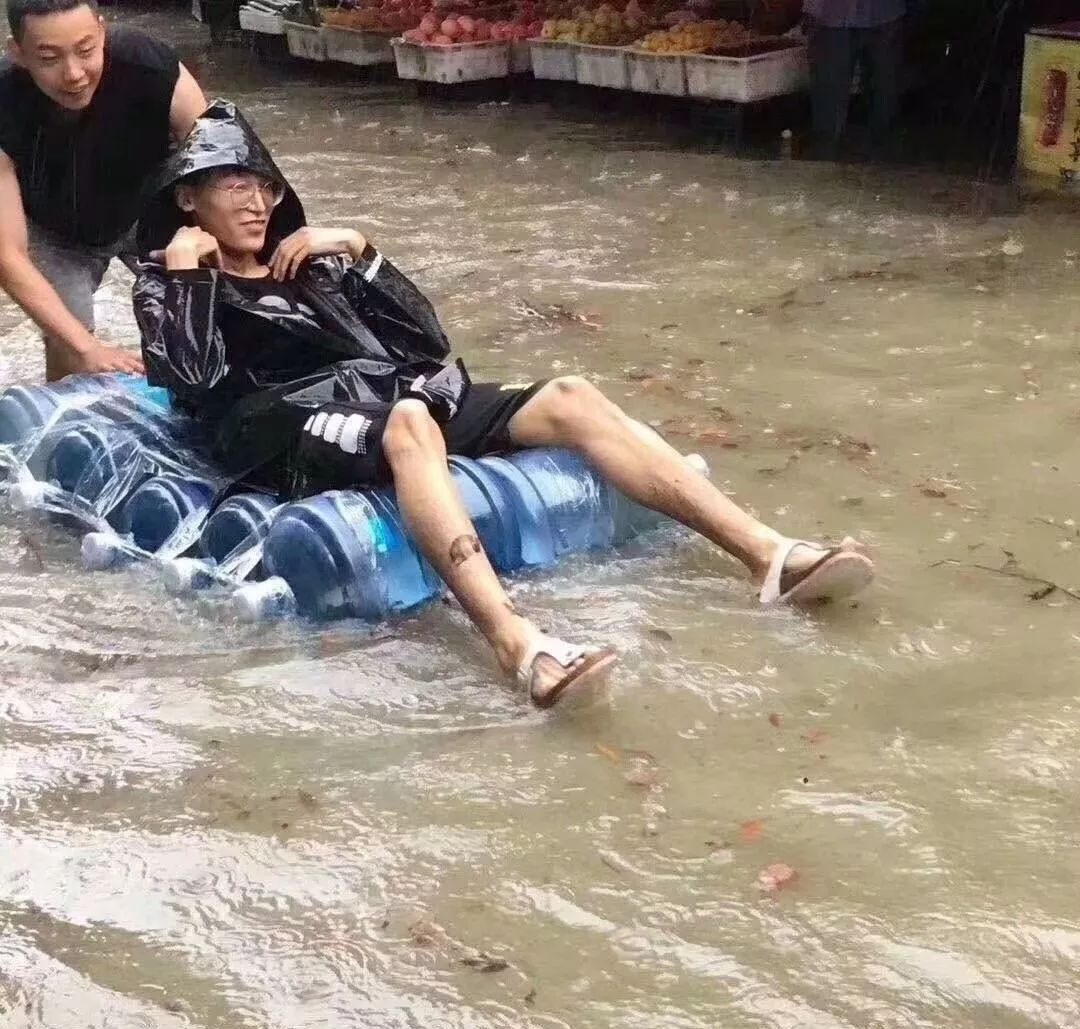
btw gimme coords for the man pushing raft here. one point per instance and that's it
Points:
(87, 113)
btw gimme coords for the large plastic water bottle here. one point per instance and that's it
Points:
(339, 555)
(165, 509)
(97, 421)
(241, 520)
(347, 554)
(112, 421)
(26, 408)
(231, 544)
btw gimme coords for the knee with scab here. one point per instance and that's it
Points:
(575, 403)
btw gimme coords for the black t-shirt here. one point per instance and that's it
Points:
(264, 352)
(83, 174)
(265, 347)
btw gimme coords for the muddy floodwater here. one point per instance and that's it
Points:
(224, 826)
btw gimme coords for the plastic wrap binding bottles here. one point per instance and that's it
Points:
(109, 454)
(231, 546)
(162, 518)
(25, 409)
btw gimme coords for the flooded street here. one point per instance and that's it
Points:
(210, 824)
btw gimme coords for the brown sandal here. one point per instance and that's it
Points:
(840, 572)
(581, 680)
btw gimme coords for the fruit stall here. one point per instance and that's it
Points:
(657, 47)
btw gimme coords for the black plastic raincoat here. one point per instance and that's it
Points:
(380, 341)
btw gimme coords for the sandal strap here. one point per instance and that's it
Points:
(770, 588)
(549, 699)
(564, 653)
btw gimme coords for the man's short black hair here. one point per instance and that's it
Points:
(19, 10)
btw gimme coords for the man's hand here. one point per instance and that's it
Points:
(191, 247)
(294, 250)
(102, 358)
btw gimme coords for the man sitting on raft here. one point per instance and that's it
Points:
(319, 363)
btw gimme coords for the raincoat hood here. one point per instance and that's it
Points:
(220, 138)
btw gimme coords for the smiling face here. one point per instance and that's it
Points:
(234, 207)
(64, 53)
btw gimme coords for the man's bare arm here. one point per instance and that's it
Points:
(21, 280)
(188, 103)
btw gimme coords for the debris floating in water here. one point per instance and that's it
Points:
(776, 876)
(752, 831)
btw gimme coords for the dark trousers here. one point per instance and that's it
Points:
(833, 53)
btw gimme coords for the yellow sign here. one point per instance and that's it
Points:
(1050, 108)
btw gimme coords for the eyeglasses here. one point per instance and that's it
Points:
(243, 194)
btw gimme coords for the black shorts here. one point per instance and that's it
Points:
(340, 446)
(482, 426)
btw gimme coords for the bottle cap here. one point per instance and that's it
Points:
(99, 551)
(263, 601)
(27, 495)
(184, 575)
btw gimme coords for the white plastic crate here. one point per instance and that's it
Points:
(552, 59)
(262, 22)
(657, 73)
(353, 46)
(305, 41)
(602, 66)
(747, 79)
(460, 62)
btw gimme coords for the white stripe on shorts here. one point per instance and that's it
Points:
(332, 430)
(354, 434)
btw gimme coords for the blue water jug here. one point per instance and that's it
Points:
(26, 408)
(347, 554)
(164, 509)
(160, 505)
(231, 544)
(242, 519)
(117, 437)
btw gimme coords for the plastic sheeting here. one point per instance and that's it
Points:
(96, 451)
(369, 334)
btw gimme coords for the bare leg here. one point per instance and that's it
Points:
(571, 412)
(439, 524)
